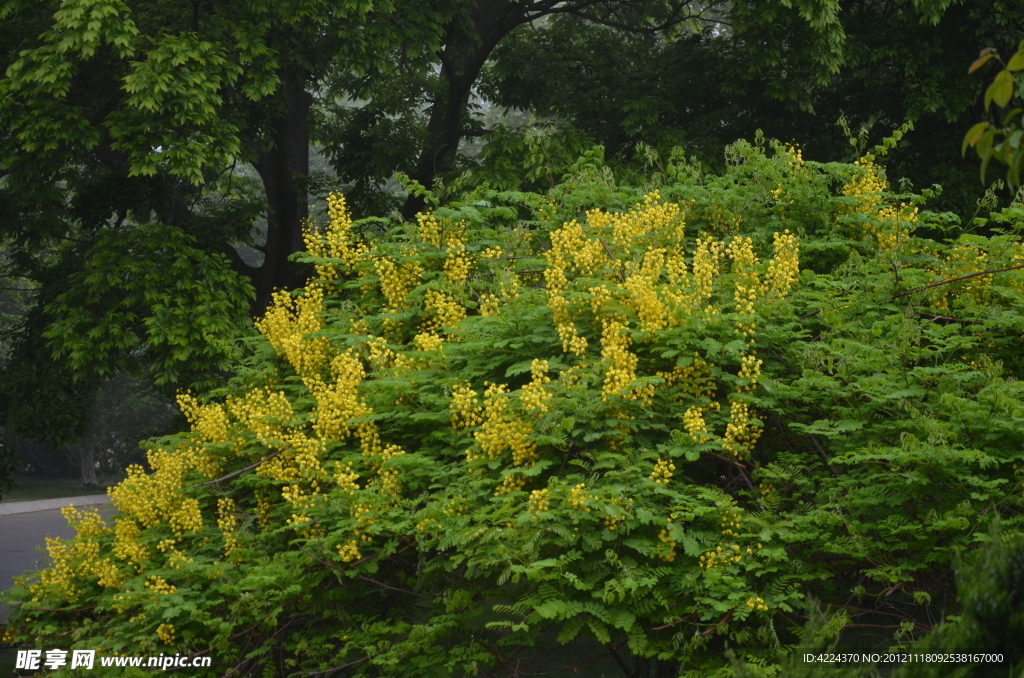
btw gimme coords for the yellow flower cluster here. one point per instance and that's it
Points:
(427, 341)
(337, 242)
(447, 312)
(78, 560)
(889, 224)
(731, 521)
(643, 294)
(456, 265)
(337, 403)
(363, 513)
(962, 260)
(396, 281)
(757, 603)
(533, 396)
(662, 473)
(158, 497)
(160, 586)
(509, 287)
(126, 544)
(693, 422)
(465, 406)
(621, 362)
(706, 269)
(720, 556)
(726, 552)
(695, 380)
(750, 370)
(165, 632)
(651, 216)
(784, 267)
(60, 577)
(289, 324)
(489, 305)
(578, 497)
(228, 523)
(440, 233)
(539, 502)
(667, 548)
(349, 551)
(741, 434)
(569, 248)
(501, 430)
(382, 356)
(747, 287)
(346, 477)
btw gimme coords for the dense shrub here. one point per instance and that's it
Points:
(644, 423)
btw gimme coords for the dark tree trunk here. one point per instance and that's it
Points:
(88, 449)
(461, 61)
(284, 168)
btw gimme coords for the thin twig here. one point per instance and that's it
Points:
(241, 471)
(824, 457)
(411, 593)
(963, 277)
(719, 625)
(372, 581)
(337, 668)
(678, 621)
(611, 256)
(935, 318)
(936, 284)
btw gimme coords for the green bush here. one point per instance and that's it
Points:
(645, 423)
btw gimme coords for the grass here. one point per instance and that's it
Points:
(28, 488)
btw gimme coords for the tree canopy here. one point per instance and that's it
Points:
(127, 122)
(643, 424)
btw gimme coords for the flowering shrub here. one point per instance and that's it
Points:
(644, 424)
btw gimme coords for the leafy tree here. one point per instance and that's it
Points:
(604, 426)
(1000, 141)
(124, 124)
(899, 61)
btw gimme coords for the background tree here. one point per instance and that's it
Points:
(900, 61)
(124, 124)
(1000, 139)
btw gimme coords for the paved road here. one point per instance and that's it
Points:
(23, 536)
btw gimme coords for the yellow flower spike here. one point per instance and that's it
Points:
(489, 305)
(533, 396)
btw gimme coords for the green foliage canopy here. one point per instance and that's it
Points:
(612, 418)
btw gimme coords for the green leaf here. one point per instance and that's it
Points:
(973, 135)
(1000, 91)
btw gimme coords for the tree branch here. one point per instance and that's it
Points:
(937, 284)
(958, 279)
(241, 471)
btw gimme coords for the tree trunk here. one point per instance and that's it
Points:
(88, 449)
(284, 168)
(461, 63)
